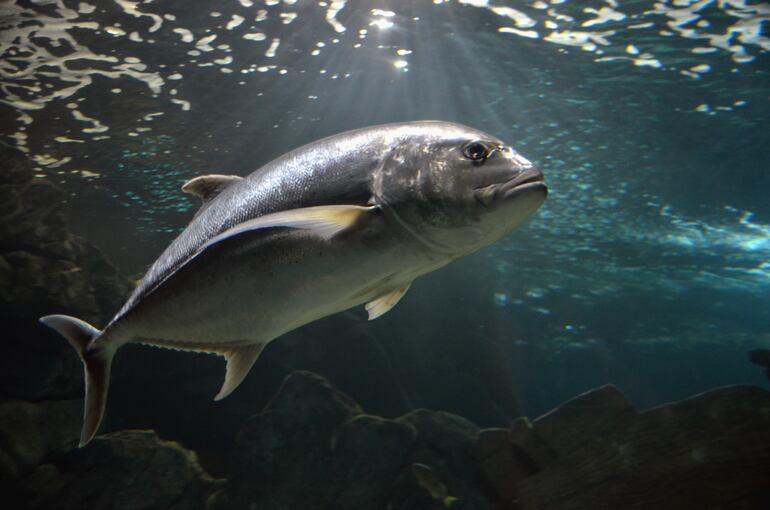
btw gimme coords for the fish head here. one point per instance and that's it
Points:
(460, 189)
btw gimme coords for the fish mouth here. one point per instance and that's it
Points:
(528, 180)
(525, 181)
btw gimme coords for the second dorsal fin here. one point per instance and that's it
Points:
(206, 187)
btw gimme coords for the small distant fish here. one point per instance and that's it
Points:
(351, 219)
(428, 480)
(761, 357)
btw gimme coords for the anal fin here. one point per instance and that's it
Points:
(239, 362)
(383, 304)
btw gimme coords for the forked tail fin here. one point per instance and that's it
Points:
(96, 363)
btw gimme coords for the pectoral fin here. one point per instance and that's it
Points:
(383, 304)
(206, 187)
(239, 362)
(325, 220)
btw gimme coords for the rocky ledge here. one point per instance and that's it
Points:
(312, 447)
(129, 470)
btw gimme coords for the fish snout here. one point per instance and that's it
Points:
(525, 175)
(527, 179)
(508, 175)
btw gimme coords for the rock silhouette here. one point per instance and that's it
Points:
(313, 447)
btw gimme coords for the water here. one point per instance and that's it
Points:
(648, 267)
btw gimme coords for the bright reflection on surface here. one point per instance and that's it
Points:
(613, 33)
(382, 24)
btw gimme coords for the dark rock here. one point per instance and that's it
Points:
(506, 456)
(51, 282)
(445, 444)
(44, 269)
(37, 364)
(16, 167)
(32, 213)
(604, 411)
(312, 447)
(369, 453)
(130, 470)
(500, 470)
(500, 465)
(709, 451)
(283, 456)
(39, 215)
(305, 397)
(489, 442)
(442, 432)
(41, 487)
(528, 446)
(111, 287)
(32, 432)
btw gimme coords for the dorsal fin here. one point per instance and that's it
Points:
(207, 187)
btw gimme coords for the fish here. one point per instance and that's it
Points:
(347, 220)
(761, 357)
(429, 481)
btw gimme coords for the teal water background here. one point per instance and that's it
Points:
(648, 267)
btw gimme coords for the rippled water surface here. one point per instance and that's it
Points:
(648, 118)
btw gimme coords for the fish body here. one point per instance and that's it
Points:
(350, 219)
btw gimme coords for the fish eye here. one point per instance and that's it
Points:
(476, 151)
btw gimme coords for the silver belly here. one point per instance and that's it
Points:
(254, 289)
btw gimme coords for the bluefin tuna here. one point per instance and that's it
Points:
(347, 220)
